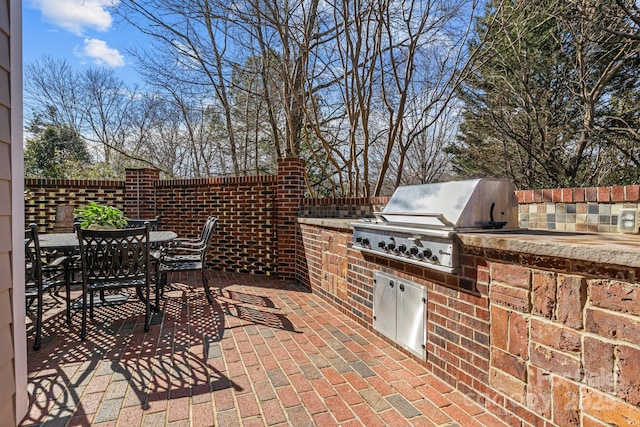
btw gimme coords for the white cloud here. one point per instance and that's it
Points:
(101, 53)
(77, 15)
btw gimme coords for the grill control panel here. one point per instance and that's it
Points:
(414, 246)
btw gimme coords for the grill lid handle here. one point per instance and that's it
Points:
(494, 224)
(440, 217)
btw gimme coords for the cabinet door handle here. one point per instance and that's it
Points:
(401, 287)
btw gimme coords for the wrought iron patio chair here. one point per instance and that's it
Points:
(42, 276)
(113, 260)
(195, 241)
(135, 223)
(188, 249)
(154, 224)
(182, 258)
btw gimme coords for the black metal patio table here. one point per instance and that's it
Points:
(68, 244)
(69, 241)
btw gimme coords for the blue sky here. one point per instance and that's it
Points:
(84, 32)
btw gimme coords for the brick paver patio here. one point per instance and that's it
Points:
(266, 353)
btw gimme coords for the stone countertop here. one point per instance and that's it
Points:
(337, 223)
(606, 248)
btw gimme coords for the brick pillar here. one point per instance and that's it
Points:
(140, 193)
(289, 197)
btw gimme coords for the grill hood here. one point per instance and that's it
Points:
(419, 223)
(458, 205)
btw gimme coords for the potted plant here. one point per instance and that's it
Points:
(95, 215)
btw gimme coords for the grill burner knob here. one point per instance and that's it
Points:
(382, 245)
(413, 250)
(427, 253)
(434, 259)
(391, 245)
(365, 242)
(402, 249)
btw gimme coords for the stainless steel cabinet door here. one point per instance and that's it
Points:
(400, 312)
(411, 317)
(384, 304)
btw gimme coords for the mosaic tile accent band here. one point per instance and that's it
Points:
(594, 209)
(594, 217)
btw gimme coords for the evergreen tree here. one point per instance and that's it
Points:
(55, 151)
(536, 107)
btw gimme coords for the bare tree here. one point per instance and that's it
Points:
(250, 54)
(326, 81)
(94, 103)
(383, 78)
(51, 88)
(422, 156)
(610, 34)
(601, 57)
(191, 44)
(108, 104)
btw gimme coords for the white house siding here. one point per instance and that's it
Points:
(13, 397)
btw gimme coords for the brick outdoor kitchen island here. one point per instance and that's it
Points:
(540, 327)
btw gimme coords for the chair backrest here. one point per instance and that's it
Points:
(115, 255)
(32, 258)
(136, 223)
(211, 225)
(206, 227)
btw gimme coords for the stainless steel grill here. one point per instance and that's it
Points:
(419, 223)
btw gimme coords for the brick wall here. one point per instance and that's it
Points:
(257, 229)
(566, 344)
(538, 341)
(566, 209)
(246, 207)
(592, 209)
(140, 193)
(289, 196)
(44, 196)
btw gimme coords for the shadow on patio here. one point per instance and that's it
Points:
(265, 353)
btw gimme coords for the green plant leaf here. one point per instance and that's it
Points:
(101, 215)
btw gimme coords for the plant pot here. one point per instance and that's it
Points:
(100, 227)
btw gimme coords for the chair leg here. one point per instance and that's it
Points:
(39, 308)
(91, 304)
(67, 286)
(140, 294)
(147, 313)
(83, 330)
(163, 282)
(158, 282)
(157, 309)
(207, 291)
(158, 286)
